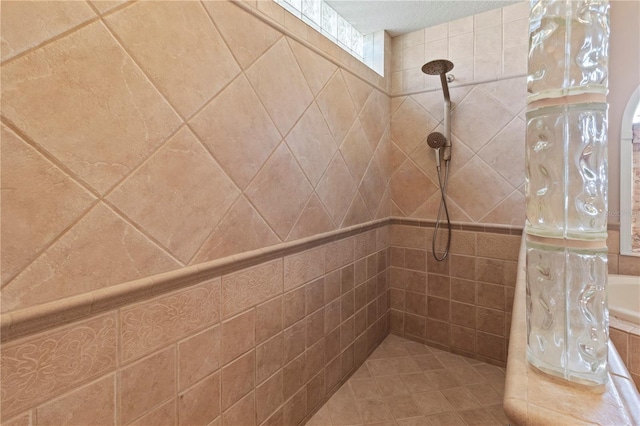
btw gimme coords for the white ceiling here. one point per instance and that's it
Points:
(403, 16)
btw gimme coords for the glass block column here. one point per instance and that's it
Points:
(566, 189)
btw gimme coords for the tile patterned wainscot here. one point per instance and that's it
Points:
(534, 398)
(266, 341)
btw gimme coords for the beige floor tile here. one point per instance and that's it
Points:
(460, 398)
(374, 411)
(342, 408)
(321, 418)
(478, 417)
(365, 388)
(428, 362)
(445, 419)
(443, 379)
(432, 402)
(468, 375)
(403, 406)
(405, 383)
(391, 385)
(485, 394)
(417, 382)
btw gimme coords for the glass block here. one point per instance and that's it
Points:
(568, 47)
(312, 9)
(357, 42)
(329, 21)
(566, 171)
(544, 172)
(567, 316)
(587, 171)
(344, 32)
(292, 6)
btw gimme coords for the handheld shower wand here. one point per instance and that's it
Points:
(437, 140)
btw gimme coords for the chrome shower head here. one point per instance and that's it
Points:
(438, 66)
(436, 140)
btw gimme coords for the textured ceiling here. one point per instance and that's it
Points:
(402, 16)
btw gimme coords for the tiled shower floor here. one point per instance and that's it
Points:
(406, 383)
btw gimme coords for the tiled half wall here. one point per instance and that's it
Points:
(263, 345)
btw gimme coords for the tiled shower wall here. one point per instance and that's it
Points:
(487, 121)
(461, 305)
(265, 345)
(140, 138)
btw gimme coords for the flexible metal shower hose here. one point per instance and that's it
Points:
(443, 207)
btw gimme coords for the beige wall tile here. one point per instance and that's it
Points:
(42, 203)
(154, 324)
(268, 319)
(339, 253)
(91, 404)
(238, 335)
(22, 420)
(303, 267)
(238, 378)
(269, 357)
(89, 74)
(243, 413)
(275, 73)
(192, 189)
(26, 25)
(27, 381)
(85, 266)
(410, 187)
(151, 32)
(248, 37)
(242, 229)
(268, 397)
(293, 376)
(410, 124)
(145, 384)
(246, 288)
(280, 179)
(337, 107)
(200, 404)
(198, 356)
(311, 142)
(336, 188)
(165, 415)
(314, 327)
(239, 149)
(313, 220)
(294, 340)
(316, 69)
(356, 151)
(293, 306)
(490, 321)
(499, 246)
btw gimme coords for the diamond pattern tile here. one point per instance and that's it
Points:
(153, 31)
(272, 76)
(336, 188)
(240, 150)
(478, 119)
(410, 125)
(505, 152)
(372, 187)
(410, 187)
(76, 263)
(279, 191)
(336, 106)
(242, 229)
(424, 156)
(247, 36)
(358, 89)
(38, 202)
(313, 220)
(312, 143)
(477, 188)
(316, 69)
(356, 151)
(357, 212)
(192, 189)
(88, 77)
(375, 117)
